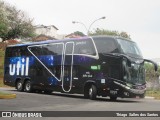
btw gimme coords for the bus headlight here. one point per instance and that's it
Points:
(135, 66)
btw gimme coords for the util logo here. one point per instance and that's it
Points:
(21, 67)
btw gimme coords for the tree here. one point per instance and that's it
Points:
(79, 33)
(14, 23)
(152, 77)
(99, 31)
(150, 72)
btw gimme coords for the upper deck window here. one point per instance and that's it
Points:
(106, 45)
(48, 49)
(16, 52)
(85, 47)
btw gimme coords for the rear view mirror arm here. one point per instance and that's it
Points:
(154, 63)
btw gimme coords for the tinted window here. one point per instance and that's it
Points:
(129, 47)
(106, 45)
(69, 48)
(8, 52)
(50, 49)
(24, 51)
(36, 50)
(84, 47)
(13, 52)
(59, 48)
(53, 49)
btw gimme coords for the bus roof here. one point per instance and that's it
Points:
(68, 39)
(46, 41)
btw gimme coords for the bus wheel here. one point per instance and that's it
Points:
(92, 92)
(28, 86)
(19, 85)
(113, 98)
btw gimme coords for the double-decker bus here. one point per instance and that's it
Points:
(93, 66)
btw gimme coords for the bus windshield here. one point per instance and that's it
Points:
(129, 47)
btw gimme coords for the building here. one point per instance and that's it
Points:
(8, 42)
(42, 38)
(73, 35)
(46, 30)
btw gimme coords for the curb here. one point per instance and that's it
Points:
(148, 97)
(8, 96)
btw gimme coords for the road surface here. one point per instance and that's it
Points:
(74, 102)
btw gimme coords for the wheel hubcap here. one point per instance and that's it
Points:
(19, 86)
(90, 91)
(27, 86)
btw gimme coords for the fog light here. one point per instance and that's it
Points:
(126, 93)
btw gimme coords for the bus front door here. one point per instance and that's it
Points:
(67, 67)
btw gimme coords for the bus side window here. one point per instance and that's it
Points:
(85, 51)
(69, 49)
(105, 46)
(36, 50)
(24, 51)
(8, 52)
(13, 52)
(85, 47)
(18, 52)
(49, 50)
(110, 46)
(59, 49)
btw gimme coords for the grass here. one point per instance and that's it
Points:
(4, 93)
(1, 72)
(1, 66)
(153, 93)
(1, 82)
(2, 85)
(1, 53)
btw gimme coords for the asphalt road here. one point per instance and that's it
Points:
(67, 102)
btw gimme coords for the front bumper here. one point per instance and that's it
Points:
(128, 92)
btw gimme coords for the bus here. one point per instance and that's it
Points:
(104, 66)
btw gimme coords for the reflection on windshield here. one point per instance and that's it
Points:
(129, 47)
(137, 75)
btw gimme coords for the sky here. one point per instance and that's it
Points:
(139, 18)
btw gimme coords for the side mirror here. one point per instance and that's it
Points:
(154, 63)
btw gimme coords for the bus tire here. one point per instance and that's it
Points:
(28, 86)
(19, 86)
(92, 92)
